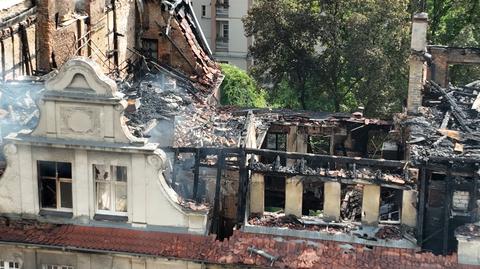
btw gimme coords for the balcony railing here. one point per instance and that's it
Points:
(222, 43)
(222, 12)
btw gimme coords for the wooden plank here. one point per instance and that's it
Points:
(446, 212)
(216, 204)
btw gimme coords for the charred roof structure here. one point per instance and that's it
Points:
(118, 155)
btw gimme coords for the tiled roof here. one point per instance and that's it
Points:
(241, 248)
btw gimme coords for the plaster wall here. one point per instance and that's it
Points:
(34, 258)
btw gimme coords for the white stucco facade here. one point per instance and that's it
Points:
(81, 123)
(212, 17)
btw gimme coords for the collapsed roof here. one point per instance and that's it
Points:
(447, 126)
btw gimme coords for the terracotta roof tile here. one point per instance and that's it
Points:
(291, 252)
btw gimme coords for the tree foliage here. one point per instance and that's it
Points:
(239, 89)
(332, 54)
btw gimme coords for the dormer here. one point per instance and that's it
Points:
(81, 103)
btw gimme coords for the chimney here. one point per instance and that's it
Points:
(417, 63)
(45, 27)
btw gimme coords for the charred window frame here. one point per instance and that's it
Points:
(110, 189)
(150, 48)
(390, 210)
(276, 141)
(55, 185)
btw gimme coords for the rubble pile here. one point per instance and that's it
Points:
(389, 232)
(351, 205)
(447, 126)
(281, 220)
(160, 104)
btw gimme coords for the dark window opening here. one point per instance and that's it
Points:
(320, 144)
(204, 11)
(274, 194)
(312, 200)
(390, 204)
(150, 48)
(55, 185)
(351, 204)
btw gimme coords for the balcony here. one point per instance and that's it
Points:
(222, 44)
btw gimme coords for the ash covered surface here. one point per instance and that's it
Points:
(18, 109)
(447, 125)
(170, 112)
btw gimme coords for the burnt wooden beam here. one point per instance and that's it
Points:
(421, 205)
(327, 158)
(242, 187)
(446, 212)
(473, 200)
(216, 204)
(196, 175)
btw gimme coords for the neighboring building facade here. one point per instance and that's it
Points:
(222, 23)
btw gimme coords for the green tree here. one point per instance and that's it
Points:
(239, 89)
(334, 54)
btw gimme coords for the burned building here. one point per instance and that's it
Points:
(121, 158)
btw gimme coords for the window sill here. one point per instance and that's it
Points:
(103, 217)
(53, 213)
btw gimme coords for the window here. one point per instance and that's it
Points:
(390, 204)
(111, 189)
(276, 141)
(49, 266)
(150, 48)
(225, 31)
(55, 185)
(204, 11)
(9, 265)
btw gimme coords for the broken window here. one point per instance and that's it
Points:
(150, 48)
(351, 204)
(320, 144)
(9, 265)
(111, 189)
(55, 185)
(390, 204)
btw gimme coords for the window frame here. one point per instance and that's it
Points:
(204, 10)
(112, 186)
(58, 183)
(147, 50)
(6, 264)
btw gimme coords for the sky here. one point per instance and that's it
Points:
(8, 3)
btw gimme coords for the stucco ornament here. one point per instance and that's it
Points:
(158, 159)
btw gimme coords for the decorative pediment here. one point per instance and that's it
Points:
(81, 76)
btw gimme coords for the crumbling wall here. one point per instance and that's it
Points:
(17, 43)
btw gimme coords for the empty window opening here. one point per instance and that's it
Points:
(111, 189)
(9, 265)
(55, 185)
(204, 11)
(150, 48)
(460, 200)
(312, 200)
(320, 144)
(351, 204)
(390, 204)
(274, 194)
